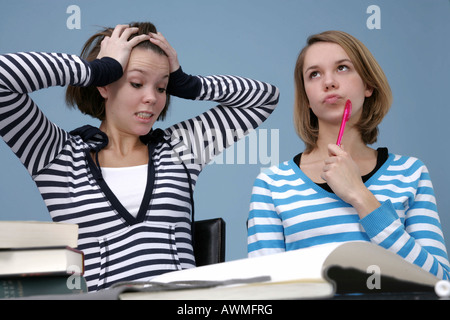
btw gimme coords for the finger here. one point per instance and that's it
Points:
(163, 45)
(127, 32)
(330, 149)
(328, 166)
(335, 150)
(158, 41)
(118, 30)
(158, 36)
(138, 39)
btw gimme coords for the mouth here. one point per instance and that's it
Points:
(144, 115)
(332, 99)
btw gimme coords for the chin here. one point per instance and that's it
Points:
(142, 131)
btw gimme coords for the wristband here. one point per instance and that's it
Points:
(105, 71)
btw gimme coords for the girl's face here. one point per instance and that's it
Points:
(134, 102)
(330, 79)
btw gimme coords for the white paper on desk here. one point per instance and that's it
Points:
(309, 264)
(294, 274)
(287, 266)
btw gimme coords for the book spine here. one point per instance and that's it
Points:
(20, 287)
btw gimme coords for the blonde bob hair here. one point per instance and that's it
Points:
(375, 107)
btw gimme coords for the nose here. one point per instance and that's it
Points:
(149, 97)
(330, 83)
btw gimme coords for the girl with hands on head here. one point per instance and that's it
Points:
(128, 185)
(330, 193)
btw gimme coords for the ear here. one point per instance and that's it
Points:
(103, 91)
(368, 92)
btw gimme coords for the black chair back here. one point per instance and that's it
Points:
(209, 241)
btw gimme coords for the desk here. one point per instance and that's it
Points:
(113, 294)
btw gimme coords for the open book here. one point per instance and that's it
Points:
(317, 272)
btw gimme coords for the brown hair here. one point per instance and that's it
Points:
(88, 99)
(375, 107)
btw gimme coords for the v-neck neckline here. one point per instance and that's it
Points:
(372, 176)
(114, 201)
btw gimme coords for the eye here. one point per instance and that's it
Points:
(135, 85)
(343, 68)
(161, 90)
(314, 74)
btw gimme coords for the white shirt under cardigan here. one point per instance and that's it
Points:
(117, 245)
(128, 184)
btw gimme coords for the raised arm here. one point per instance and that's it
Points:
(243, 105)
(30, 135)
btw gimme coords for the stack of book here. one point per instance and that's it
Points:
(39, 258)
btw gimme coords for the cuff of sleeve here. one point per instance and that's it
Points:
(378, 220)
(105, 71)
(183, 85)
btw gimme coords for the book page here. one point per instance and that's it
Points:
(362, 255)
(305, 264)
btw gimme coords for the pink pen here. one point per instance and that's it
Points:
(345, 118)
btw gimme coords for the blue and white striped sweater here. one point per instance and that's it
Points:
(288, 211)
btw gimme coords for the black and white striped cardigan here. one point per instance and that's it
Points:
(117, 246)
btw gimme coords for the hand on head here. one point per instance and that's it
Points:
(118, 47)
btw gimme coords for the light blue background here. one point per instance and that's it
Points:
(258, 39)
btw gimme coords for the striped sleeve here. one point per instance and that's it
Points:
(25, 129)
(418, 238)
(265, 228)
(244, 104)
